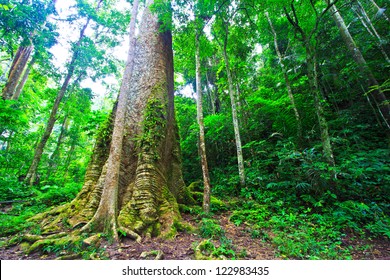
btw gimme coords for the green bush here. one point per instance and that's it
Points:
(210, 229)
(55, 195)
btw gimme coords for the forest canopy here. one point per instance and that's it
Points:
(134, 120)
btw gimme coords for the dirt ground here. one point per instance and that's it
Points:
(181, 248)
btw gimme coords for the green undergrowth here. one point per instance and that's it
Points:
(217, 245)
(310, 232)
(21, 202)
(305, 207)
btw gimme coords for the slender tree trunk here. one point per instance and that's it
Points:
(372, 31)
(380, 11)
(287, 81)
(107, 211)
(377, 95)
(240, 159)
(32, 172)
(211, 95)
(21, 84)
(56, 153)
(318, 100)
(18, 65)
(202, 144)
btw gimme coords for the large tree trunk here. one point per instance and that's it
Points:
(106, 214)
(202, 144)
(150, 183)
(15, 73)
(287, 81)
(378, 96)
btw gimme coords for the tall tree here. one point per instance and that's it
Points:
(233, 99)
(107, 210)
(18, 73)
(202, 144)
(286, 79)
(309, 40)
(32, 171)
(150, 180)
(377, 94)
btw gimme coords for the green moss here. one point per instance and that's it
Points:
(153, 125)
(204, 250)
(24, 246)
(195, 187)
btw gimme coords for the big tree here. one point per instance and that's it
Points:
(143, 199)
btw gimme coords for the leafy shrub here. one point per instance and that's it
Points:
(54, 195)
(210, 229)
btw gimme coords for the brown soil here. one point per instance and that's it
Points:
(181, 248)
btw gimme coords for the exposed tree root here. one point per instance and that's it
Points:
(158, 253)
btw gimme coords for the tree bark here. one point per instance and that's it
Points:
(240, 159)
(150, 185)
(21, 84)
(202, 144)
(286, 80)
(312, 74)
(107, 210)
(318, 100)
(377, 95)
(18, 65)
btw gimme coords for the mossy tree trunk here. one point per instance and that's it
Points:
(149, 185)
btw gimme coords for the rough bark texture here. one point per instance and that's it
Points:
(150, 183)
(106, 214)
(378, 96)
(18, 65)
(286, 80)
(202, 144)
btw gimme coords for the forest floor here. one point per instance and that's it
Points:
(182, 247)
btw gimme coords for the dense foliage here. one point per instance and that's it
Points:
(294, 196)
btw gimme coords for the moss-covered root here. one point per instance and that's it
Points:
(159, 255)
(131, 234)
(204, 250)
(60, 242)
